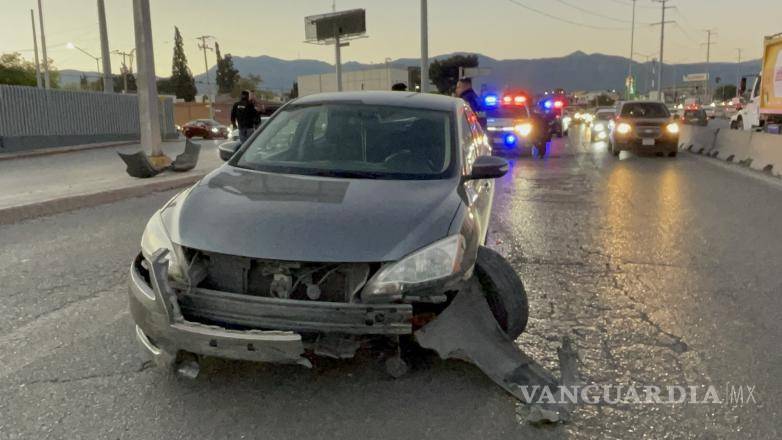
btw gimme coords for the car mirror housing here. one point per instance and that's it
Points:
(228, 149)
(488, 167)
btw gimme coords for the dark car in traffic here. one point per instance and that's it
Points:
(206, 129)
(346, 216)
(644, 126)
(695, 117)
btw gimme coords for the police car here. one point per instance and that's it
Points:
(511, 126)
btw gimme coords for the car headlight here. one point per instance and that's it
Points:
(672, 128)
(524, 129)
(566, 120)
(600, 126)
(436, 261)
(155, 238)
(215, 130)
(623, 128)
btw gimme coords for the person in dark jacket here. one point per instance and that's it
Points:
(243, 116)
(464, 90)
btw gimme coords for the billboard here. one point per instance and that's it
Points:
(343, 24)
(696, 77)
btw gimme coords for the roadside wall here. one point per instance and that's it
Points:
(33, 118)
(757, 150)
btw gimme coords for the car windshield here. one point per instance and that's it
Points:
(519, 112)
(605, 116)
(645, 110)
(354, 140)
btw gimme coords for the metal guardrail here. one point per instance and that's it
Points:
(33, 118)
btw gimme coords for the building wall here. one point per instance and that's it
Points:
(33, 118)
(370, 79)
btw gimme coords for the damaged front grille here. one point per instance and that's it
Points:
(329, 282)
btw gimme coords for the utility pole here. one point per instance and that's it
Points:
(708, 45)
(338, 61)
(46, 81)
(38, 81)
(149, 114)
(424, 47)
(662, 49)
(738, 73)
(630, 82)
(108, 83)
(125, 69)
(205, 46)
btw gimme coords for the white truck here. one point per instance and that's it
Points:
(763, 111)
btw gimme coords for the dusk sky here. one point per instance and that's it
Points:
(497, 28)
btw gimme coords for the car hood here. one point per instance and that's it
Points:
(256, 214)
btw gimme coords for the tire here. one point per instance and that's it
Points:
(504, 291)
(737, 124)
(673, 153)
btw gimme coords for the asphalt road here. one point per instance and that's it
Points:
(663, 271)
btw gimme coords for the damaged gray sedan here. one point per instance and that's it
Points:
(346, 218)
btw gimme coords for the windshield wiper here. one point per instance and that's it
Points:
(347, 174)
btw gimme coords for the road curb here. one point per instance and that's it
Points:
(62, 150)
(44, 208)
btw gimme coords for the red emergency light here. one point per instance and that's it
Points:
(558, 104)
(515, 100)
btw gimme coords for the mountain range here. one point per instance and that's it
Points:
(576, 71)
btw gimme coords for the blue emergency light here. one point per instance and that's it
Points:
(490, 100)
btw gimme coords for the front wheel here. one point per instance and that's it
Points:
(504, 291)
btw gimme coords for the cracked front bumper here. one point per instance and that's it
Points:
(274, 325)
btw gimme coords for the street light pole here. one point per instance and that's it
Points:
(149, 114)
(38, 80)
(738, 73)
(632, 49)
(662, 48)
(108, 84)
(424, 47)
(46, 80)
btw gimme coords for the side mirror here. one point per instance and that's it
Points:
(488, 167)
(228, 149)
(743, 86)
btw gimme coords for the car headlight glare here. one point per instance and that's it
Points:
(600, 126)
(623, 128)
(215, 130)
(672, 128)
(438, 260)
(155, 238)
(524, 129)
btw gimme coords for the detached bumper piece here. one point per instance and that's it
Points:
(467, 330)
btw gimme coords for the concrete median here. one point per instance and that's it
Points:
(759, 151)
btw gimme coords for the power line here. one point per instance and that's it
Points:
(564, 20)
(596, 14)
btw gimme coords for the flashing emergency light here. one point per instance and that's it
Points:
(510, 139)
(519, 100)
(558, 104)
(507, 99)
(548, 103)
(490, 100)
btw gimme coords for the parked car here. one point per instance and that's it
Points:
(288, 247)
(644, 126)
(205, 128)
(695, 116)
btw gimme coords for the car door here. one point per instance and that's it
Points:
(480, 193)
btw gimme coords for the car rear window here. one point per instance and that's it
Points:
(605, 116)
(508, 112)
(645, 110)
(354, 140)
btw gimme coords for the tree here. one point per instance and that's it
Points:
(165, 86)
(724, 92)
(15, 70)
(604, 100)
(445, 73)
(227, 74)
(294, 93)
(250, 83)
(91, 86)
(119, 83)
(182, 80)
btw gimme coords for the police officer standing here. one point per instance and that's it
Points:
(464, 90)
(243, 116)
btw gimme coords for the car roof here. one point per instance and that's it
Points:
(642, 102)
(606, 110)
(427, 101)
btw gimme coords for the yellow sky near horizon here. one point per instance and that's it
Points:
(497, 28)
